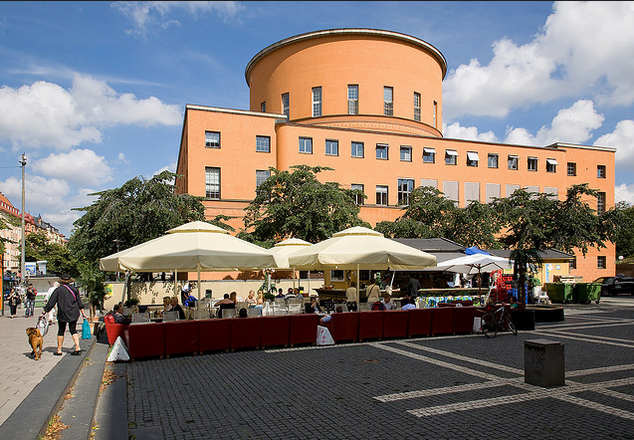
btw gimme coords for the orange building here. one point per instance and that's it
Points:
(368, 104)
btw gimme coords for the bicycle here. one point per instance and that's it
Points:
(497, 318)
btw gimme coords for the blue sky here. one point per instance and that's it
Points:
(94, 92)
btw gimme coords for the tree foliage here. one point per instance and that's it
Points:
(296, 204)
(429, 214)
(37, 247)
(138, 211)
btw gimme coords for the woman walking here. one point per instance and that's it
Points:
(69, 306)
(14, 301)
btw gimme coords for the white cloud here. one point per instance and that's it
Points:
(622, 138)
(573, 124)
(456, 131)
(146, 15)
(624, 193)
(121, 158)
(46, 115)
(82, 167)
(580, 48)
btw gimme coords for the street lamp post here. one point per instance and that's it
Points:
(22, 259)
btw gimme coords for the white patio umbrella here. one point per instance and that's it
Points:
(285, 248)
(475, 263)
(195, 246)
(359, 247)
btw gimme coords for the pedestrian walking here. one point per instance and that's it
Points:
(69, 307)
(14, 301)
(29, 303)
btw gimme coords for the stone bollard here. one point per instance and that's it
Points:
(544, 363)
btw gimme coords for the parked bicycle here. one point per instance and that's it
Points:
(497, 318)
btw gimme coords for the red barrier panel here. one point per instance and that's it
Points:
(181, 337)
(303, 329)
(213, 335)
(463, 319)
(245, 332)
(371, 325)
(442, 320)
(343, 327)
(145, 340)
(114, 330)
(419, 322)
(395, 324)
(275, 331)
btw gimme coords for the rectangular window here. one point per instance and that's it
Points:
(601, 262)
(381, 195)
(493, 191)
(429, 155)
(212, 139)
(451, 157)
(571, 168)
(531, 165)
(435, 114)
(551, 165)
(513, 162)
(493, 160)
(429, 182)
(358, 198)
(306, 145)
(600, 203)
(316, 102)
(286, 105)
(381, 151)
(472, 159)
(353, 99)
(332, 147)
(212, 183)
(471, 192)
(552, 192)
(405, 187)
(416, 106)
(451, 190)
(356, 149)
(263, 144)
(263, 107)
(388, 101)
(601, 171)
(261, 176)
(406, 153)
(573, 263)
(511, 188)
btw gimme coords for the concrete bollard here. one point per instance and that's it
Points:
(544, 363)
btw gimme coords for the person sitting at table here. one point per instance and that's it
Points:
(167, 304)
(176, 307)
(251, 301)
(243, 313)
(387, 302)
(313, 307)
(280, 293)
(117, 314)
(224, 303)
(325, 319)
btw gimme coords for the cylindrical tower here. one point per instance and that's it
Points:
(354, 78)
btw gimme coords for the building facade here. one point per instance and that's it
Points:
(368, 104)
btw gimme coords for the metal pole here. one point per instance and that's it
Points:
(22, 262)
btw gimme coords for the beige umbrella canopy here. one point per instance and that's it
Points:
(196, 246)
(359, 248)
(285, 248)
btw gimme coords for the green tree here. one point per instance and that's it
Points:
(623, 217)
(37, 247)
(140, 210)
(535, 222)
(296, 204)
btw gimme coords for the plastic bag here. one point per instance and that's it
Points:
(85, 329)
(323, 336)
(42, 324)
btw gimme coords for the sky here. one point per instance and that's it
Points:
(94, 93)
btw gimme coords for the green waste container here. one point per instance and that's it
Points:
(587, 292)
(560, 292)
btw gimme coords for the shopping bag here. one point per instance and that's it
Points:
(323, 336)
(477, 324)
(85, 330)
(42, 324)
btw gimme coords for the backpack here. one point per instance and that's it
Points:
(378, 306)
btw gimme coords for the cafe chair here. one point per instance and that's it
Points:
(141, 317)
(170, 316)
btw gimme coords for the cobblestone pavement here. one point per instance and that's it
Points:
(454, 387)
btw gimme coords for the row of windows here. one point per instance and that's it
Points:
(404, 189)
(353, 103)
(263, 144)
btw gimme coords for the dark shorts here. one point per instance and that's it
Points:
(61, 327)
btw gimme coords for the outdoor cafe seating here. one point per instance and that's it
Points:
(204, 333)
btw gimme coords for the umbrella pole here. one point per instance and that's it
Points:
(357, 283)
(198, 268)
(176, 283)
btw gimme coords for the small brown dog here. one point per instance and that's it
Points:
(36, 340)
